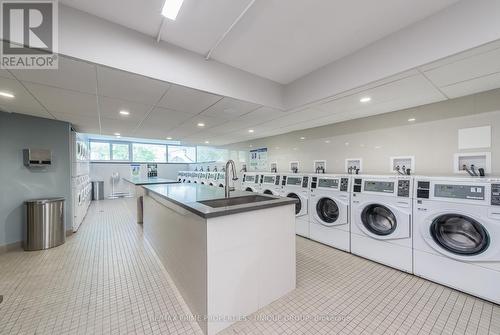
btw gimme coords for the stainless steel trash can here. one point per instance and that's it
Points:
(44, 224)
(98, 190)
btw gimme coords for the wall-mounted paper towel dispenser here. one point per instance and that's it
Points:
(37, 157)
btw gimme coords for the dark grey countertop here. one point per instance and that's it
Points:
(150, 181)
(188, 195)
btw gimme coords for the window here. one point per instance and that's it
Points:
(209, 154)
(181, 154)
(156, 153)
(120, 152)
(99, 151)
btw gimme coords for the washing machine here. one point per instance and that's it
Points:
(456, 234)
(270, 184)
(212, 178)
(297, 187)
(250, 182)
(329, 202)
(381, 220)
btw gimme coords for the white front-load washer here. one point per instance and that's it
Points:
(270, 184)
(457, 234)
(250, 182)
(329, 210)
(297, 187)
(381, 220)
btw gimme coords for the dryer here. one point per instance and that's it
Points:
(270, 184)
(457, 234)
(297, 187)
(381, 220)
(250, 182)
(329, 204)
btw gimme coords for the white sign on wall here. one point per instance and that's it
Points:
(474, 138)
(258, 160)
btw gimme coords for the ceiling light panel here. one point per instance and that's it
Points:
(171, 8)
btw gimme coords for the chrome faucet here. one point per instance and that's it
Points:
(230, 168)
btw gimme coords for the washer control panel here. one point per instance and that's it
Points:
(357, 185)
(305, 182)
(344, 184)
(404, 188)
(314, 182)
(423, 189)
(277, 182)
(495, 194)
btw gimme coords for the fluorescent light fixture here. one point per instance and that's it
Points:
(171, 8)
(124, 112)
(6, 94)
(412, 120)
(201, 124)
(365, 99)
(169, 138)
(250, 130)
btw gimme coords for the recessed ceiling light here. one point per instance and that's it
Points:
(327, 141)
(302, 138)
(365, 99)
(412, 120)
(378, 147)
(206, 142)
(6, 94)
(251, 145)
(201, 124)
(171, 8)
(117, 134)
(169, 138)
(346, 144)
(250, 130)
(125, 113)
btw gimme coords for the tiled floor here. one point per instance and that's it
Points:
(106, 279)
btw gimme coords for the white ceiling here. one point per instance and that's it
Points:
(281, 40)
(90, 97)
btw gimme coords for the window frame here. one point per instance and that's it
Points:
(131, 156)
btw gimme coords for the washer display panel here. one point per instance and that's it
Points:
(459, 234)
(328, 210)
(298, 205)
(379, 219)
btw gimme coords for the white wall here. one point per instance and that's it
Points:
(103, 171)
(432, 139)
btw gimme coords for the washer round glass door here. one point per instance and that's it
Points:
(248, 189)
(298, 205)
(379, 219)
(328, 210)
(459, 234)
(268, 192)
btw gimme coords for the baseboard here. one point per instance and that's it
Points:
(9, 247)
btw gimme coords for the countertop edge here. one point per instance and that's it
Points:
(224, 212)
(158, 182)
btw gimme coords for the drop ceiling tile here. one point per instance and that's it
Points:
(261, 115)
(110, 108)
(5, 74)
(164, 119)
(79, 122)
(124, 127)
(22, 103)
(64, 101)
(187, 100)
(466, 69)
(127, 86)
(71, 74)
(476, 85)
(229, 108)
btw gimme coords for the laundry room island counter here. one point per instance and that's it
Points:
(135, 204)
(226, 261)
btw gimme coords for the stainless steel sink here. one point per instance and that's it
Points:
(226, 202)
